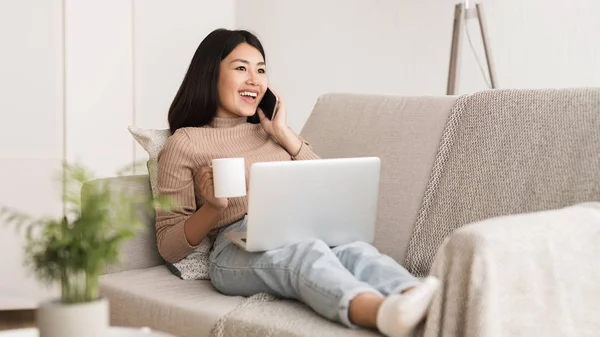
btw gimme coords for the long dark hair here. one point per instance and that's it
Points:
(197, 99)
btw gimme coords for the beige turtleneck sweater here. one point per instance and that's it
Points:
(189, 149)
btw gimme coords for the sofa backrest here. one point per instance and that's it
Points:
(405, 132)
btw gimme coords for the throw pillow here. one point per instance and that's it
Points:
(194, 266)
(152, 140)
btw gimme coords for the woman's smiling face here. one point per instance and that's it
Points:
(242, 82)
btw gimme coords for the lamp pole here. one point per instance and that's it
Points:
(463, 12)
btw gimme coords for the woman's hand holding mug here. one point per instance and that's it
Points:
(207, 189)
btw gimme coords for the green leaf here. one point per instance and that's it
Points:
(73, 249)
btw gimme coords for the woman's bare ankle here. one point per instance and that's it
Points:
(363, 309)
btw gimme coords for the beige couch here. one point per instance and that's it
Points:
(408, 134)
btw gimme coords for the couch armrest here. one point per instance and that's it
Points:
(141, 251)
(527, 274)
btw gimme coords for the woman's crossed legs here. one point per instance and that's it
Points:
(352, 284)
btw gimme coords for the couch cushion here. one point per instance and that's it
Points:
(286, 318)
(152, 140)
(157, 299)
(404, 132)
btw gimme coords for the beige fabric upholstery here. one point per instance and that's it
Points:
(533, 274)
(155, 298)
(140, 252)
(286, 318)
(403, 131)
(508, 152)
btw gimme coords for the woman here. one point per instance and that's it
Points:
(214, 115)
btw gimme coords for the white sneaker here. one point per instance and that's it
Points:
(400, 314)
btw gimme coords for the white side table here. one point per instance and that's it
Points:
(114, 332)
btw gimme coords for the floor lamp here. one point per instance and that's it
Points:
(462, 13)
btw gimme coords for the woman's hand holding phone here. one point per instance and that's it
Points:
(279, 130)
(277, 126)
(207, 190)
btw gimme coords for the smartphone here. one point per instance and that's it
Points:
(268, 104)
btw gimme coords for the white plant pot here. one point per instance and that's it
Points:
(90, 319)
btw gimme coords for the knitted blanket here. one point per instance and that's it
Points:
(507, 152)
(533, 274)
(262, 315)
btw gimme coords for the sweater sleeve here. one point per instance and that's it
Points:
(306, 151)
(175, 181)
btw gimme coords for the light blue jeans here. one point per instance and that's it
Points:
(326, 279)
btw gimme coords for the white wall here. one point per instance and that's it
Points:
(127, 72)
(124, 61)
(31, 138)
(403, 47)
(99, 83)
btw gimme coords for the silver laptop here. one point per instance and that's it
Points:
(334, 200)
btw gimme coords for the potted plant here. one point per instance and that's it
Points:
(72, 250)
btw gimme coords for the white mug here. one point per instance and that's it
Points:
(229, 177)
